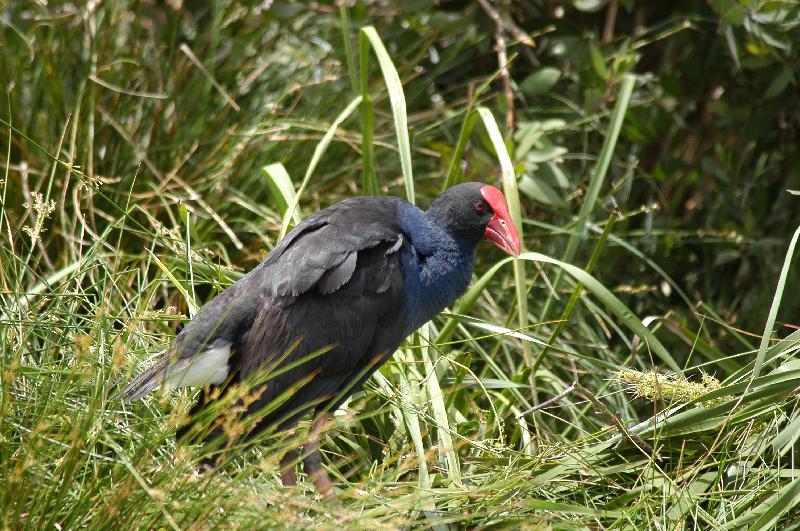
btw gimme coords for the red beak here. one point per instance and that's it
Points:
(500, 230)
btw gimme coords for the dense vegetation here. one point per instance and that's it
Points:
(632, 369)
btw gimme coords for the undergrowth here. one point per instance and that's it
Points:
(151, 156)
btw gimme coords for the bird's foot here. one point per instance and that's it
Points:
(312, 462)
(324, 486)
(288, 468)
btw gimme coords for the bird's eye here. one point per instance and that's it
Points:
(480, 206)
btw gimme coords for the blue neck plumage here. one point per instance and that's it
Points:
(437, 266)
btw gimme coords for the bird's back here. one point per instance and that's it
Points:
(333, 287)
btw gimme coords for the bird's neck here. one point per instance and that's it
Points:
(437, 266)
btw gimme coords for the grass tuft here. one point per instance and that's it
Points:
(153, 152)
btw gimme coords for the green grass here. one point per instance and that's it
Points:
(147, 199)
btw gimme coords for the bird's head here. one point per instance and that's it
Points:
(476, 211)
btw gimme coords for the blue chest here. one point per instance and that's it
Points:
(434, 281)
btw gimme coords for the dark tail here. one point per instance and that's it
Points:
(146, 382)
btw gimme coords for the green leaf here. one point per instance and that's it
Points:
(540, 191)
(540, 82)
(526, 137)
(598, 63)
(547, 151)
(286, 10)
(552, 174)
(732, 11)
(589, 6)
(780, 82)
(553, 124)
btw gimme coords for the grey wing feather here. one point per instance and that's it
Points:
(335, 278)
(327, 255)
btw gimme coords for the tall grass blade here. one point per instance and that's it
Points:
(411, 400)
(280, 184)
(612, 302)
(576, 293)
(512, 196)
(597, 178)
(369, 181)
(344, 19)
(439, 410)
(570, 508)
(773, 309)
(369, 37)
(470, 117)
(778, 504)
(786, 348)
(468, 300)
(454, 168)
(23, 300)
(319, 151)
(190, 303)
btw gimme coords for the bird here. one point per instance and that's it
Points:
(329, 304)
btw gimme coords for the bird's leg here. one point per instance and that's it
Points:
(288, 468)
(312, 462)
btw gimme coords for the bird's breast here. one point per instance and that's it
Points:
(432, 283)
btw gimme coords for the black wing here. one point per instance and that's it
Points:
(336, 290)
(333, 283)
(323, 250)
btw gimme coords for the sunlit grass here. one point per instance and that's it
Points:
(122, 211)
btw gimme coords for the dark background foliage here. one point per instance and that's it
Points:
(709, 146)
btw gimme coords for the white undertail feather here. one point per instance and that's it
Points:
(209, 367)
